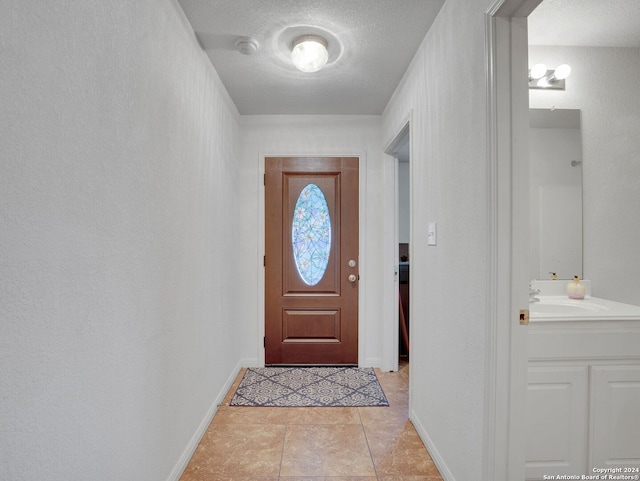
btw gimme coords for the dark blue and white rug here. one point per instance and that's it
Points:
(309, 386)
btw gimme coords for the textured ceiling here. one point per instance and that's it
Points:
(371, 43)
(586, 23)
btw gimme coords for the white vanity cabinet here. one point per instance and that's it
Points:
(583, 397)
(615, 420)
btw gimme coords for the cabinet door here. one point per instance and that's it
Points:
(556, 424)
(615, 416)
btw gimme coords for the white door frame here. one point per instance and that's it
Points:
(508, 234)
(391, 285)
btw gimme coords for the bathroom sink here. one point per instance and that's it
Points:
(566, 307)
(561, 306)
(550, 308)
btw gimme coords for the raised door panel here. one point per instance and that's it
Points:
(556, 423)
(615, 417)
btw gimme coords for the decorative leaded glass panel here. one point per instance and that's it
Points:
(311, 234)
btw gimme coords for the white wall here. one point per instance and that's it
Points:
(445, 88)
(311, 135)
(117, 183)
(610, 105)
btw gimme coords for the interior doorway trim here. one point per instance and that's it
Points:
(508, 234)
(390, 347)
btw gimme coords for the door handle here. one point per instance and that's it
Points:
(352, 278)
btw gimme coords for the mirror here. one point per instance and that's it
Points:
(555, 193)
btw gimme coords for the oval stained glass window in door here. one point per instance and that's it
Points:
(311, 234)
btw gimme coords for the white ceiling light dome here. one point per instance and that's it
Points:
(309, 53)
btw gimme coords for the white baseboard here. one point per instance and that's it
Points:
(182, 463)
(250, 362)
(372, 362)
(433, 451)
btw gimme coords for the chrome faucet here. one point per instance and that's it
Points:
(533, 293)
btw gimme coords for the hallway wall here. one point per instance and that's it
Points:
(444, 89)
(271, 135)
(117, 175)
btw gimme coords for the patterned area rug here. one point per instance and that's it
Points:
(309, 386)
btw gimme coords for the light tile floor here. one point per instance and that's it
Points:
(315, 444)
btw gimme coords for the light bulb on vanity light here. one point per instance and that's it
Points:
(537, 71)
(562, 71)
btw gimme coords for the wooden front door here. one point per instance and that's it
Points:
(311, 261)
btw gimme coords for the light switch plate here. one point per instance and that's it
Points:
(432, 229)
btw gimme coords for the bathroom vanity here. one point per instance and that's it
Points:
(583, 395)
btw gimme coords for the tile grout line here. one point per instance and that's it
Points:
(366, 439)
(284, 438)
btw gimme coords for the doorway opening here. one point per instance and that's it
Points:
(400, 150)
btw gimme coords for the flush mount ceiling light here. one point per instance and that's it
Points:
(309, 53)
(541, 78)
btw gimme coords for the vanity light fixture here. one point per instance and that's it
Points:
(309, 53)
(541, 78)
